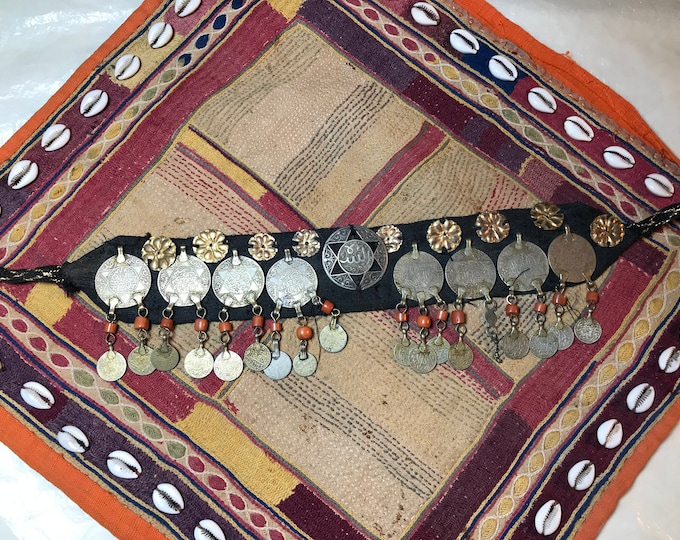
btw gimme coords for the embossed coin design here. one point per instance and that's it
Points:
(460, 355)
(543, 344)
(470, 273)
(292, 281)
(333, 338)
(418, 276)
(280, 367)
(564, 335)
(572, 257)
(185, 282)
(305, 367)
(198, 363)
(122, 279)
(422, 359)
(139, 361)
(587, 330)
(164, 357)
(228, 366)
(522, 265)
(441, 348)
(515, 344)
(257, 357)
(111, 366)
(402, 350)
(354, 258)
(238, 281)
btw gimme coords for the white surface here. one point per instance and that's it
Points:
(633, 46)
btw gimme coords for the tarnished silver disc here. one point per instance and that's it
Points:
(515, 344)
(164, 357)
(422, 359)
(572, 257)
(198, 363)
(228, 366)
(280, 367)
(139, 361)
(441, 348)
(238, 281)
(291, 280)
(543, 344)
(402, 350)
(523, 266)
(460, 355)
(564, 335)
(257, 357)
(587, 330)
(354, 258)
(123, 277)
(418, 276)
(470, 273)
(111, 366)
(306, 367)
(184, 282)
(333, 338)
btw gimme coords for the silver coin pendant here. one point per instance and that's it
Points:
(280, 367)
(587, 330)
(292, 281)
(164, 357)
(228, 366)
(111, 366)
(305, 367)
(402, 350)
(543, 344)
(564, 335)
(124, 278)
(460, 355)
(257, 357)
(198, 363)
(333, 338)
(441, 348)
(238, 281)
(422, 359)
(515, 344)
(139, 361)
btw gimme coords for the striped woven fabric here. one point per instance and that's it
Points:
(281, 115)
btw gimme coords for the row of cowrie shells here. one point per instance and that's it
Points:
(541, 100)
(610, 435)
(120, 463)
(57, 136)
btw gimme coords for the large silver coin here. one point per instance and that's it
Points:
(238, 281)
(418, 276)
(401, 352)
(441, 348)
(354, 258)
(257, 357)
(164, 357)
(470, 273)
(422, 359)
(333, 338)
(460, 355)
(587, 330)
(125, 278)
(198, 363)
(515, 344)
(523, 266)
(184, 282)
(306, 367)
(572, 257)
(139, 361)
(280, 367)
(291, 280)
(228, 366)
(543, 344)
(564, 335)
(111, 366)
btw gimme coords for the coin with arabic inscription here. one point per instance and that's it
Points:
(418, 276)
(333, 338)
(587, 330)
(185, 282)
(422, 359)
(165, 357)
(523, 266)
(139, 361)
(470, 273)
(292, 281)
(543, 344)
(354, 258)
(198, 363)
(305, 367)
(564, 335)
(515, 344)
(280, 367)
(238, 281)
(460, 355)
(124, 278)
(228, 366)
(111, 366)
(257, 357)
(402, 350)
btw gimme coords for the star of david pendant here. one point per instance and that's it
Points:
(122, 279)
(354, 258)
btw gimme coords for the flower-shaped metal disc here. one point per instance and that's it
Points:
(306, 243)
(607, 231)
(122, 279)
(354, 258)
(210, 246)
(238, 281)
(185, 282)
(492, 227)
(444, 235)
(159, 252)
(547, 216)
(391, 237)
(262, 246)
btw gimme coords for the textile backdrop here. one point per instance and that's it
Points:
(279, 115)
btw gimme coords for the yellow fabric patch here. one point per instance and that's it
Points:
(521, 486)
(570, 418)
(48, 303)
(536, 462)
(506, 506)
(625, 353)
(287, 8)
(641, 329)
(489, 528)
(17, 233)
(607, 373)
(210, 430)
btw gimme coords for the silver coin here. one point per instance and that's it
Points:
(123, 277)
(460, 355)
(238, 281)
(333, 338)
(185, 281)
(139, 361)
(280, 367)
(418, 276)
(564, 335)
(543, 344)
(422, 359)
(228, 366)
(111, 366)
(354, 258)
(587, 330)
(292, 281)
(164, 357)
(572, 257)
(515, 345)
(470, 273)
(305, 367)
(523, 266)
(198, 363)
(257, 357)
(441, 348)
(402, 350)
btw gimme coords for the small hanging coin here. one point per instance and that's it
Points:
(280, 367)
(198, 363)
(305, 366)
(139, 361)
(460, 355)
(111, 366)
(441, 348)
(164, 357)
(543, 344)
(422, 359)
(402, 350)
(333, 338)
(228, 366)
(257, 357)
(587, 330)
(515, 344)
(564, 335)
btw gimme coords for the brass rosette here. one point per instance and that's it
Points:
(210, 246)
(547, 216)
(391, 237)
(159, 252)
(306, 243)
(492, 227)
(444, 235)
(262, 247)
(607, 230)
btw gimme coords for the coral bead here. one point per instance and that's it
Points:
(304, 332)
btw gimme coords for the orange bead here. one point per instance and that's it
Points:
(458, 317)
(541, 307)
(226, 326)
(167, 323)
(304, 332)
(559, 299)
(142, 323)
(110, 328)
(592, 297)
(201, 325)
(401, 316)
(424, 321)
(277, 326)
(327, 307)
(257, 322)
(511, 309)
(441, 314)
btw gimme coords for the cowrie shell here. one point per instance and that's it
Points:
(578, 129)
(640, 398)
(160, 35)
(502, 68)
(582, 475)
(659, 185)
(55, 137)
(548, 518)
(22, 174)
(127, 66)
(36, 395)
(167, 499)
(123, 465)
(94, 102)
(73, 439)
(610, 433)
(669, 360)
(618, 158)
(425, 14)
(207, 529)
(186, 7)
(542, 100)
(463, 41)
